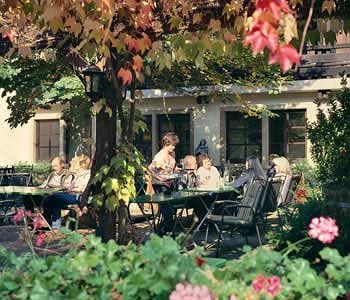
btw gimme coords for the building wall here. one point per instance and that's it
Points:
(19, 144)
(208, 120)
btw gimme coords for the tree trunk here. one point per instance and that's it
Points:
(106, 128)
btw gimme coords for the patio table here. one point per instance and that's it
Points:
(27, 190)
(172, 199)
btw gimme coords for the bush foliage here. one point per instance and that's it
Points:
(330, 138)
(93, 270)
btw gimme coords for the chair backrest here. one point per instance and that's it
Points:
(293, 186)
(252, 199)
(20, 179)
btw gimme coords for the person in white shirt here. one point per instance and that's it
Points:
(208, 175)
(53, 204)
(57, 176)
(283, 172)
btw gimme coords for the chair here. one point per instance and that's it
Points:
(9, 205)
(21, 179)
(244, 215)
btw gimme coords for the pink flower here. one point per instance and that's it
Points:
(40, 239)
(269, 285)
(273, 285)
(18, 216)
(39, 222)
(259, 283)
(186, 291)
(323, 229)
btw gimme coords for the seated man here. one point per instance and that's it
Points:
(53, 204)
(55, 179)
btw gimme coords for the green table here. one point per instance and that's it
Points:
(27, 190)
(173, 199)
(220, 190)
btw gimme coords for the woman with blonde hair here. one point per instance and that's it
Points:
(53, 204)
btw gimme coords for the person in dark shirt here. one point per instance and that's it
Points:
(253, 171)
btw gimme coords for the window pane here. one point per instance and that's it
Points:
(287, 130)
(296, 135)
(296, 151)
(44, 154)
(236, 154)
(48, 139)
(236, 137)
(243, 137)
(297, 118)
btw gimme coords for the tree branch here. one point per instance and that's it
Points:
(307, 24)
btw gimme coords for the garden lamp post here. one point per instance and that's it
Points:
(93, 79)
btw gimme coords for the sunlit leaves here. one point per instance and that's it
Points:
(125, 75)
(285, 56)
(328, 5)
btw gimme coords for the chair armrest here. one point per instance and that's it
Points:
(219, 202)
(237, 206)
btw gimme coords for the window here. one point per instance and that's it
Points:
(143, 139)
(243, 137)
(47, 139)
(181, 125)
(288, 134)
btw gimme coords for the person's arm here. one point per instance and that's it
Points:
(241, 180)
(80, 183)
(46, 182)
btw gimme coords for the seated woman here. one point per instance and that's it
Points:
(282, 171)
(253, 171)
(161, 169)
(208, 175)
(53, 204)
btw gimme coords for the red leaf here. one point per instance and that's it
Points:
(274, 6)
(132, 44)
(200, 261)
(147, 40)
(138, 63)
(262, 35)
(286, 55)
(125, 76)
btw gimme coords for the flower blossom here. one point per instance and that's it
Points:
(40, 239)
(191, 292)
(268, 285)
(323, 229)
(18, 216)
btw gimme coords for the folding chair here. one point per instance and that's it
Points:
(244, 215)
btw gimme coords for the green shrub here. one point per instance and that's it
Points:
(39, 170)
(93, 270)
(330, 138)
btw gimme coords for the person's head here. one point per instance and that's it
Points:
(272, 157)
(282, 165)
(85, 162)
(202, 142)
(190, 162)
(204, 161)
(169, 141)
(57, 164)
(253, 163)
